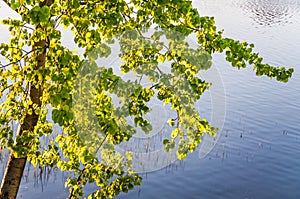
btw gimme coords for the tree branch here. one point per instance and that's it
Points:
(5, 1)
(15, 62)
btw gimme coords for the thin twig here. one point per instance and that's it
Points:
(15, 62)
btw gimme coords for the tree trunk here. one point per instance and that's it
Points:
(12, 177)
(15, 166)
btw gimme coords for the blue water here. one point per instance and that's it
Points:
(258, 152)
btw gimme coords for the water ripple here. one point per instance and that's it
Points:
(270, 12)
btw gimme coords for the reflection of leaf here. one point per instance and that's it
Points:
(79, 94)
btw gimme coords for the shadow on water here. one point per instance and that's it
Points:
(270, 12)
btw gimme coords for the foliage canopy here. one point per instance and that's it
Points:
(43, 77)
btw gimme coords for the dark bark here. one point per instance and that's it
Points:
(15, 166)
(12, 177)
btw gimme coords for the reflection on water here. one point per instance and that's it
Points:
(270, 12)
(258, 154)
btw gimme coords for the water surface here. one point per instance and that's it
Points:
(258, 153)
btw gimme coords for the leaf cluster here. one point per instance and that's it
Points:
(77, 94)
